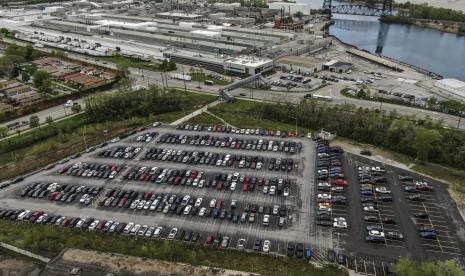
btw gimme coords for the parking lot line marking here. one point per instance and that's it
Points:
(443, 252)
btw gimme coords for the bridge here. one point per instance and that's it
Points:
(257, 81)
(370, 9)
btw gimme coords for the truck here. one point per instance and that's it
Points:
(181, 76)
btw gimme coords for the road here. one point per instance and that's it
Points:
(147, 78)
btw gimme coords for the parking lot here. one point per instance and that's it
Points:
(405, 216)
(249, 186)
(251, 190)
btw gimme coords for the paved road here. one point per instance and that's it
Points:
(146, 78)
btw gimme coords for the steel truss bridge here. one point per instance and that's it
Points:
(371, 9)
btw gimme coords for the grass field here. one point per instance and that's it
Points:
(50, 240)
(204, 119)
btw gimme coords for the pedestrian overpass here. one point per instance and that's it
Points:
(257, 81)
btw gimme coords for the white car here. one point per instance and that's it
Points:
(340, 222)
(286, 191)
(272, 190)
(376, 233)
(324, 184)
(266, 246)
(172, 233)
(202, 211)
(69, 103)
(93, 225)
(198, 202)
(370, 209)
(187, 209)
(382, 190)
(233, 186)
(265, 189)
(212, 203)
(158, 232)
(324, 196)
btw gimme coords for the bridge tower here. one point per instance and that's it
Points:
(327, 6)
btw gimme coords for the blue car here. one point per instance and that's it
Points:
(308, 253)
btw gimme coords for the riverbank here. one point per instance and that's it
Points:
(440, 25)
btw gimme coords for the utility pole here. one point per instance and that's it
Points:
(184, 79)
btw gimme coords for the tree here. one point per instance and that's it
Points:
(76, 108)
(3, 132)
(49, 120)
(299, 15)
(42, 81)
(28, 52)
(25, 76)
(34, 121)
(123, 69)
(171, 65)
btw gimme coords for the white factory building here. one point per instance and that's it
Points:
(454, 86)
(247, 65)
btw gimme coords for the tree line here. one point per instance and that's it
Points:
(423, 11)
(423, 139)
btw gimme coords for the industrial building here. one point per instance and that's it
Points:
(300, 64)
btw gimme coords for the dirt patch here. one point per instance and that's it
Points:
(136, 265)
(12, 267)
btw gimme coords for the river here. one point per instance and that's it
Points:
(435, 51)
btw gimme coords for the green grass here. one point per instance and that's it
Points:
(204, 119)
(49, 240)
(202, 78)
(235, 115)
(131, 62)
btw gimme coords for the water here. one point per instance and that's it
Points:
(432, 50)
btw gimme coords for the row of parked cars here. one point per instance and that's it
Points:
(232, 142)
(220, 181)
(229, 129)
(218, 159)
(188, 205)
(330, 184)
(374, 190)
(141, 230)
(120, 152)
(147, 137)
(85, 169)
(92, 224)
(414, 189)
(66, 193)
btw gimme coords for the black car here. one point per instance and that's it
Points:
(325, 223)
(257, 245)
(341, 259)
(421, 215)
(388, 220)
(394, 235)
(375, 239)
(290, 249)
(376, 227)
(331, 255)
(371, 218)
(299, 250)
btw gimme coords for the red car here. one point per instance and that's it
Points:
(340, 182)
(210, 239)
(245, 187)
